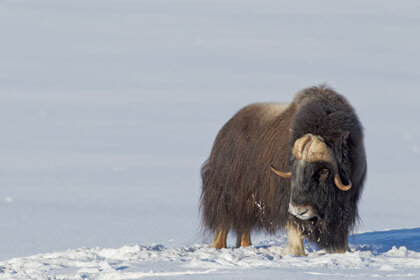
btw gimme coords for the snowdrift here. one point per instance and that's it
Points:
(391, 254)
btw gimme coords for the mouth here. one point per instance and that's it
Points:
(305, 212)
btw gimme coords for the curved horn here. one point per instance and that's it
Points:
(339, 183)
(281, 173)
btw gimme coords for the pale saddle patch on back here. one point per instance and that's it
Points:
(269, 111)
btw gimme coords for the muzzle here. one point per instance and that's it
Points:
(305, 212)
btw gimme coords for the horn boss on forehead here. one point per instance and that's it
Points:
(312, 148)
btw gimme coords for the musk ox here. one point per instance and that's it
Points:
(299, 166)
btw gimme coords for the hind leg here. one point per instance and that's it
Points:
(220, 237)
(243, 239)
(294, 240)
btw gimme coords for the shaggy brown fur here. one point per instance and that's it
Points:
(241, 193)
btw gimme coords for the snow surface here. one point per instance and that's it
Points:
(373, 255)
(109, 108)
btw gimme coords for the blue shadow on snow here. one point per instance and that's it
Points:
(382, 241)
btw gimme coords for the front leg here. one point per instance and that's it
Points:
(294, 240)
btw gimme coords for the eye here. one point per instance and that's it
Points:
(323, 174)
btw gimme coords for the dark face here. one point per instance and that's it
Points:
(311, 185)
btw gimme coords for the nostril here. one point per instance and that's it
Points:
(303, 212)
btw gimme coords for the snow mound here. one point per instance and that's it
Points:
(199, 261)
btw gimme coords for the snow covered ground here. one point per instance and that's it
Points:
(108, 109)
(373, 255)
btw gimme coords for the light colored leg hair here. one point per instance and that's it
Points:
(294, 241)
(243, 239)
(219, 240)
